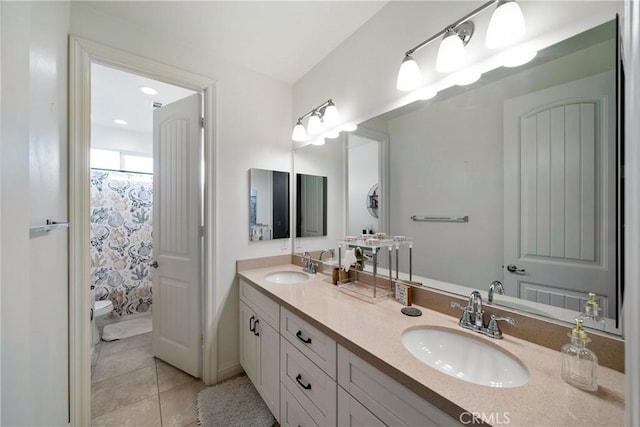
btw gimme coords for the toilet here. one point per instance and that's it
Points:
(100, 310)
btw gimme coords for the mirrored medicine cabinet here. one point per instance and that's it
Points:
(269, 205)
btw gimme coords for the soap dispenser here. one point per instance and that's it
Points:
(579, 364)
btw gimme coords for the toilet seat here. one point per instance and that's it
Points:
(103, 307)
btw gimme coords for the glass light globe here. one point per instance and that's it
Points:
(299, 133)
(409, 75)
(506, 27)
(451, 54)
(314, 126)
(331, 116)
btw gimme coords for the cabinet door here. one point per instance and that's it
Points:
(248, 342)
(268, 383)
(351, 413)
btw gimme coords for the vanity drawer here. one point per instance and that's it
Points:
(292, 413)
(265, 307)
(315, 391)
(310, 341)
(385, 398)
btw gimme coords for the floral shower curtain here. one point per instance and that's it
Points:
(121, 241)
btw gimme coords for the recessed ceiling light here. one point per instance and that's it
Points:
(120, 122)
(148, 90)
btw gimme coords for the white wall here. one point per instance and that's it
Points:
(360, 74)
(34, 182)
(253, 116)
(110, 138)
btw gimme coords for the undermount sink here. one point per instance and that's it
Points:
(465, 357)
(286, 277)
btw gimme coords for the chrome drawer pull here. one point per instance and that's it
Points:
(303, 385)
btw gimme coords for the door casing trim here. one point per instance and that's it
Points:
(82, 53)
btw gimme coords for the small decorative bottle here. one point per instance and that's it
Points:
(579, 364)
(592, 313)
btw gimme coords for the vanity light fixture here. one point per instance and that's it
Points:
(507, 26)
(451, 54)
(325, 117)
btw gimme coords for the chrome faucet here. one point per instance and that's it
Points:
(475, 301)
(473, 317)
(308, 266)
(496, 286)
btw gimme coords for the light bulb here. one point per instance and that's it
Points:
(148, 90)
(314, 126)
(451, 54)
(507, 25)
(409, 75)
(331, 116)
(299, 133)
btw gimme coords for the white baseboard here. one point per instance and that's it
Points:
(229, 370)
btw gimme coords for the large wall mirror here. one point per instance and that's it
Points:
(268, 205)
(529, 155)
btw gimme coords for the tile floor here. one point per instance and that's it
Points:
(130, 387)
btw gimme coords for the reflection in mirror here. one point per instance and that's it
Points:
(268, 205)
(363, 177)
(529, 155)
(311, 205)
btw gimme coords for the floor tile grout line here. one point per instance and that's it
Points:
(158, 388)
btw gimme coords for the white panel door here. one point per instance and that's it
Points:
(559, 192)
(176, 234)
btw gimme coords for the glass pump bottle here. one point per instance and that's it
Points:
(579, 364)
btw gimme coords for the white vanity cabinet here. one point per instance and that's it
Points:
(260, 344)
(307, 379)
(382, 397)
(308, 369)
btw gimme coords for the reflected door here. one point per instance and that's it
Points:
(559, 201)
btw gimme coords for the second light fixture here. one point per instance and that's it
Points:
(506, 26)
(324, 117)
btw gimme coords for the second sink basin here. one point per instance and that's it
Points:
(465, 357)
(286, 277)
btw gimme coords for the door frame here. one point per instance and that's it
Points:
(81, 54)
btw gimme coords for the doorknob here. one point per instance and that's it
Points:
(154, 264)
(514, 269)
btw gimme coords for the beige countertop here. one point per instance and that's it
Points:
(374, 332)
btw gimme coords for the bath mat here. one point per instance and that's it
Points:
(234, 403)
(126, 329)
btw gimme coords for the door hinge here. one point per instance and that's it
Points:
(202, 231)
(202, 122)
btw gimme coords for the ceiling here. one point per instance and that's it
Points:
(281, 39)
(116, 94)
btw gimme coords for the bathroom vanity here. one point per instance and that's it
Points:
(321, 357)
